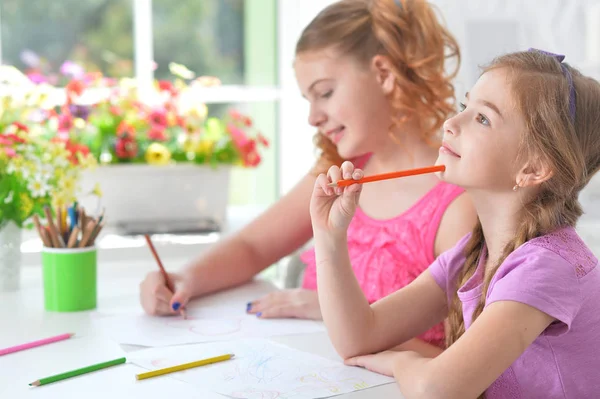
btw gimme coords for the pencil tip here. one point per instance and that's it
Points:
(34, 384)
(332, 185)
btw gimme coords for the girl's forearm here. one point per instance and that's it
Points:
(419, 346)
(345, 309)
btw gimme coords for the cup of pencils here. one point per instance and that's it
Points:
(69, 258)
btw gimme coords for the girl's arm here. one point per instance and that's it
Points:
(496, 339)
(355, 328)
(279, 231)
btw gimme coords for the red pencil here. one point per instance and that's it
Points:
(168, 281)
(391, 175)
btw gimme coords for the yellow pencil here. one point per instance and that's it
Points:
(184, 366)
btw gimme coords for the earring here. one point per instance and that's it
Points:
(516, 187)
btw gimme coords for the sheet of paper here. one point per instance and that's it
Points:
(201, 325)
(261, 369)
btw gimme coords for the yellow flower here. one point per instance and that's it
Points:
(79, 123)
(181, 70)
(96, 190)
(68, 183)
(26, 204)
(157, 154)
(205, 146)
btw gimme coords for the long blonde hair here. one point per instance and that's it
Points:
(569, 146)
(406, 31)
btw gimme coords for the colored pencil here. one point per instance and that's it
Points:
(74, 373)
(184, 366)
(41, 231)
(34, 344)
(55, 235)
(73, 237)
(168, 281)
(391, 175)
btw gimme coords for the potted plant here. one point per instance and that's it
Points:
(163, 159)
(34, 173)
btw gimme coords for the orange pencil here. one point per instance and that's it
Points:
(391, 175)
(168, 281)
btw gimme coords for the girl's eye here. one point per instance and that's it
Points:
(483, 120)
(462, 107)
(327, 94)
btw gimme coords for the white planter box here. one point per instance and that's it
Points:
(159, 199)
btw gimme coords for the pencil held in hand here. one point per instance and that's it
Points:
(391, 175)
(164, 273)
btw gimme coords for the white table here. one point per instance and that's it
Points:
(23, 319)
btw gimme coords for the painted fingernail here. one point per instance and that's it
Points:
(258, 314)
(176, 306)
(248, 306)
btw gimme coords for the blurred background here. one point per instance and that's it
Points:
(249, 46)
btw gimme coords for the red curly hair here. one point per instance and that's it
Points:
(410, 35)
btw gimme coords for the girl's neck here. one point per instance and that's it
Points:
(499, 214)
(401, 150)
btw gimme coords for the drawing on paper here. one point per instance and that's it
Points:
(206, 327)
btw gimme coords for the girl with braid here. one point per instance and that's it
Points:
(521, 291)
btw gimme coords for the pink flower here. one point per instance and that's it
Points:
(157, 133)
(237, 135)
(158, 117)
(65, 122)
(10, 152)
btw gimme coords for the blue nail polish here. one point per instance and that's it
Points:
(176, 306)
(248, 306)
(258, 314)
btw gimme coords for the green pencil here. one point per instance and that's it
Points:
(69, 374)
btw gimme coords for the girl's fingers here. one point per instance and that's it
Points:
(347, 169)
(334, 173)
(357, 174)
(323, 183)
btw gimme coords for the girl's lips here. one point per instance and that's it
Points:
(446, 149)
(335, 135)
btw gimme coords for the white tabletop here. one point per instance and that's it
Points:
(23, 319)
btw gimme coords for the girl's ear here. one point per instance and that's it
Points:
(534, 173)
(382, 67)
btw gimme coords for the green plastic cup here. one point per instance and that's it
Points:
(69, 279)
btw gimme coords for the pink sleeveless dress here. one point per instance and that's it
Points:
(387, 255)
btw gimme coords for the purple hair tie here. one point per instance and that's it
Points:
(560, 58)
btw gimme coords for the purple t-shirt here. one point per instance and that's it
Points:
(558, 275)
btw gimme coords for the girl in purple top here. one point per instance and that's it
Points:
(521, 293)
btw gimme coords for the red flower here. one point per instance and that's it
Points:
(21, 127)
(250, 155)
(74, 87)
(125, 128)
(13, 138)
(73, 148)
(262, 140)
(157, 133)
(126, 147)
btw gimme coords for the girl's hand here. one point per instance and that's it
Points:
(297, 303)
(158, 300)
(332, 208)
(382, 363)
